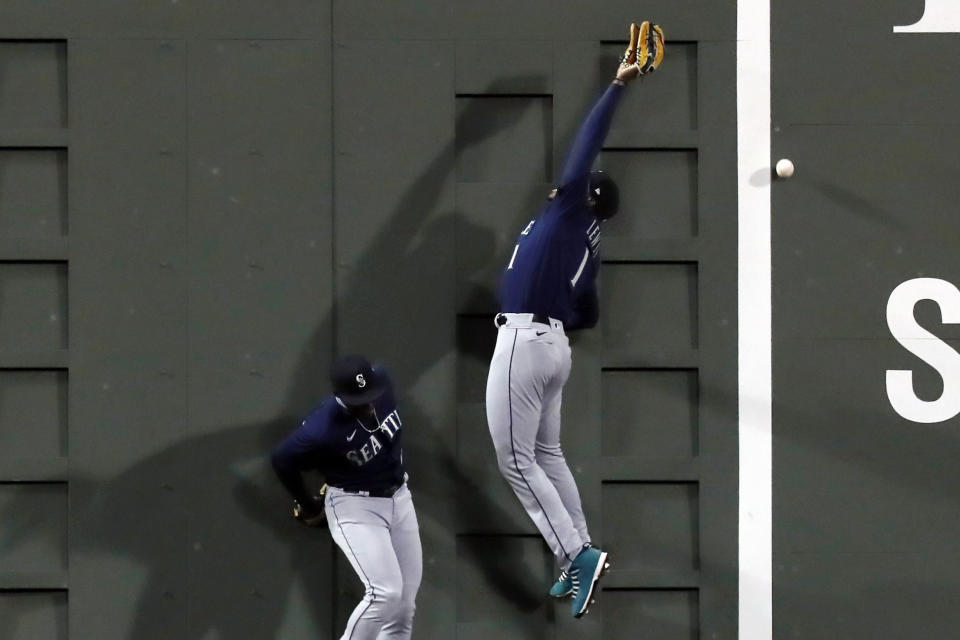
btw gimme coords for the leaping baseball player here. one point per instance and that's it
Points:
(548, 287)
(354, 439)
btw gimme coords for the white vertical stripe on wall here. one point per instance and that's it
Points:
(754, 317)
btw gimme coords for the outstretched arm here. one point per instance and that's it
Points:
(643, 55)
(592, 133)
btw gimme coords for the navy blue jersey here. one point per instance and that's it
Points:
(554, 264)
(358, 454)
(555, 261)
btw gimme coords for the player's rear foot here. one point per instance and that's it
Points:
(585, 573)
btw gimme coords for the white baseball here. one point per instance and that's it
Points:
(784, 168)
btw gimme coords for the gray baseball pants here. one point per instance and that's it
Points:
(530, 365)
(381, 539)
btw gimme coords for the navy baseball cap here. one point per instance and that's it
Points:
(604, 195)
(355, 382)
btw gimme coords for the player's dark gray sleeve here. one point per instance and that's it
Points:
(586, 309)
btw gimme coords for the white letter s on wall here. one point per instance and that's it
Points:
(926, 346)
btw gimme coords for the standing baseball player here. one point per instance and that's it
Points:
(354, 439)
(548, 287)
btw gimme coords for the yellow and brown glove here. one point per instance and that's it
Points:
(644, 53)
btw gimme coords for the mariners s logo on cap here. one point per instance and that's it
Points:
(356, 381)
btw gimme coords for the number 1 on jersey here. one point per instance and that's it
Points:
(514, 256)
(525, 232)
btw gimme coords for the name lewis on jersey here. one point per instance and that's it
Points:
(385, 433)
(593, 237)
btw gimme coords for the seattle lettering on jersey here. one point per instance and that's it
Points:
(388, 429)
(349, 457)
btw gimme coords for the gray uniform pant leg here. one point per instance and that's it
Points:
(549, 453)
(524, 370)
(405, 536)
(381, 539)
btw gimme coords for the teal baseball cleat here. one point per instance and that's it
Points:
(562, 587)
(585, 572)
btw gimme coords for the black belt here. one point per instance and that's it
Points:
(376, 493)
(537, 317)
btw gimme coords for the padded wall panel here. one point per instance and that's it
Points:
(128, 363)
(33, 192)
(500, 588)
(519, 151)
(267, 180)
(658, 192)
(653, 525)
(638, 298)
(33, 413)
(667, 614)
(33, 94)
(128, 273)
(34, 519)
(651, 413)
(504, 67)
(33, 306)
(33, 615)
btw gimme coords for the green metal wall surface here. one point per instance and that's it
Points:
(202, 202)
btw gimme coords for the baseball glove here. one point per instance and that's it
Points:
(312, 513)
(644, 53)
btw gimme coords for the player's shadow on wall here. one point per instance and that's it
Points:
(412, 335)
(206, 519)
(408, 244)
